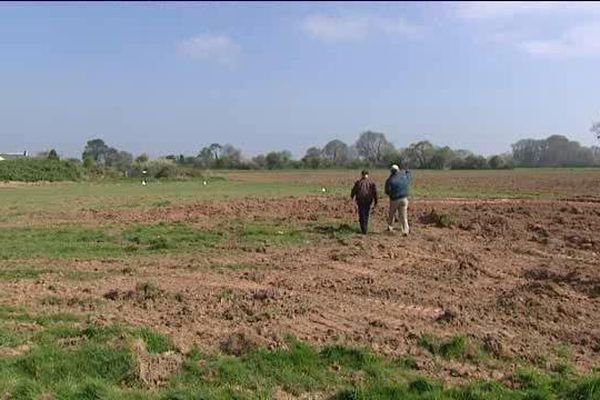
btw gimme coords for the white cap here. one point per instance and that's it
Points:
(395, 168)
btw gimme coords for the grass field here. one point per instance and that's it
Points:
(258, 286)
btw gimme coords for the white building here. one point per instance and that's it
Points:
(13, 156)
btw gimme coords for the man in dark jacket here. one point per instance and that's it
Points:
(397, 187)
(365, 194)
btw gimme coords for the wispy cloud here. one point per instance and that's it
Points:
(352, 28)
(486, 10)
(220, 49)
(579, 35)
(579, 41)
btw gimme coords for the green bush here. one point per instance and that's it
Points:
(165, 169)
(34, 170)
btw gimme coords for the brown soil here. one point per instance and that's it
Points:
(154, 370)
(521, 277)
(562, 182)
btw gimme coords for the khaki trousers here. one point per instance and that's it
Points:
(399, 206)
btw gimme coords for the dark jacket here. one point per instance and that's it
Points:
(397, 186)
(364, 191)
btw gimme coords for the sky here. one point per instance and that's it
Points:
(165, 78)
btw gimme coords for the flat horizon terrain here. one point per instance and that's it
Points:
(257, 285)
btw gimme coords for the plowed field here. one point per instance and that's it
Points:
(517, 277)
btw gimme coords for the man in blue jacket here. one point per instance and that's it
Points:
(397, 187)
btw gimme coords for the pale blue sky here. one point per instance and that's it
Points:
(170, 78)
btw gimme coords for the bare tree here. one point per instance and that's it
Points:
(99, 153)
(216, 148)
(372, 146)
(419, 155)
(231, 156)
(554, 151)
(313, 158)
(336, 151)
(596, 129)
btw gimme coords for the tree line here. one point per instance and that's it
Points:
(371, 149)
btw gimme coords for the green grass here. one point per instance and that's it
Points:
(68, 359)
(8, 338)
(164, 236)
(72, 241)
(76, 241)
(18, 201)
(272, 234)
(455, 347)
(19, 273)
(9, 272)
(155, 342)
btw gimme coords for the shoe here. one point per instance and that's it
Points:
(390, 229)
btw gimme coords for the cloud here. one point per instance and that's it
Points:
(578, 25)
(212, 48)
(579, 41)
(353, 28)
(482, 10)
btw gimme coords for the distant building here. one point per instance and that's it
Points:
(13, 156)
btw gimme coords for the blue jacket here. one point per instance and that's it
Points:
(397, 186)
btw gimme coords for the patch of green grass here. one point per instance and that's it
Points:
(19, 314)
(51, 363)
(440, 220)
(297, 370)
(7, 310)
(529, 378)
(271, 234)
(8, 337)
(587, 389)
(10, 274)
(22, 201)
(164, 236)
(351, 358)
(333, 230)
(455, 347)
(70, 361)
(63, 241)
(162, 203)
(85, 301)
(422, 389)
(175, 236)
(32, 272)
(75, 241)
(155, 342)
(19, 201)
(85, 361)
(407, 362)
(422, 385)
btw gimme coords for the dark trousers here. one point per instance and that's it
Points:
(363, 216)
